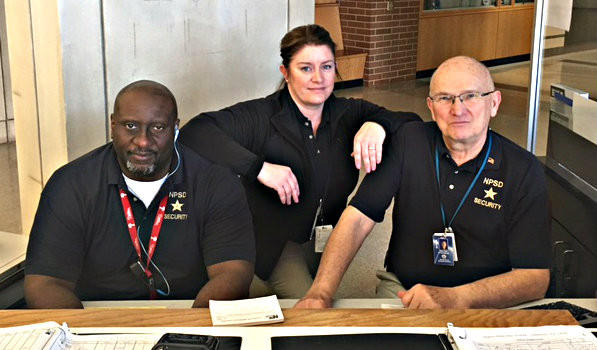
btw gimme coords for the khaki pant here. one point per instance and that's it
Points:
(293, 274)
(388, 286)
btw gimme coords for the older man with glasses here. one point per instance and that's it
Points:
(470, 218)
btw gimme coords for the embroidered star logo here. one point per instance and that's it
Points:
(177, 206)
(489, 193)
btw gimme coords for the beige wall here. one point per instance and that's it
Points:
(37, 96)
(66, 66)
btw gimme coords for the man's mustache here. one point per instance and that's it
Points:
(142, 152)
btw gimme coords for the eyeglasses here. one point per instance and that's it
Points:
(468, 98)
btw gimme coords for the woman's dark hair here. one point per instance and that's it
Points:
(299, 37)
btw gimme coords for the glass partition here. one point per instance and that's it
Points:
(563, 129)
(563, 69)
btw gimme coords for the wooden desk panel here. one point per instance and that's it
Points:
(485, 33)
(465, 33)
(294, 317)
(515, 32)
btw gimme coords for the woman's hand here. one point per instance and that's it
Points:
(368, 146)
(281, 179)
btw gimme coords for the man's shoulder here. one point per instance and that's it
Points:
(89, 164)
(513, 152)
(520, 165)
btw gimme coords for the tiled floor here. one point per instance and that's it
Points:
(578, 69)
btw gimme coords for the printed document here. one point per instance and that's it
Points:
(523, 338)
(245, 312)
(52, 336)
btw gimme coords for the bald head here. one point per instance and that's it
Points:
(150, 88)
(462, 101)
(461, 65)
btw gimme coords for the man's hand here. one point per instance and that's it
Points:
(282, 179)
(421, 296)
(515, 287)
(313, 303)
(367, 146)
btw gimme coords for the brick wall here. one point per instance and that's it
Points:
(388, 36)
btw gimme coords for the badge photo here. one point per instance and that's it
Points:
(442, 252)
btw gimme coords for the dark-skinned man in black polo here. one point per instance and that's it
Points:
(140, 218)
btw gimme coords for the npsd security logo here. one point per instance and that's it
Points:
(176, 206)
(491, 198)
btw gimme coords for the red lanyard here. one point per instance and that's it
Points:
(155, 231)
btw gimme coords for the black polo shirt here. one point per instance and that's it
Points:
(503, 223)
(317, 146)
(80, 233)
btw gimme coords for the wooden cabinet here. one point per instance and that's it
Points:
(485, 33)
(350, 63)
(514, 32)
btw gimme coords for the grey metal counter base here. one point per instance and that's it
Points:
(590, 304)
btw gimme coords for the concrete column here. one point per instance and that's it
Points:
(34, 53)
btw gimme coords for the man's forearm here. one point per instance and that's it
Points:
(505, 290)
(227, 281)
(43, 292)
(346, 239)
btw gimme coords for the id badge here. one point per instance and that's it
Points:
(322, 234)
(443, 252)
(452, 244)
